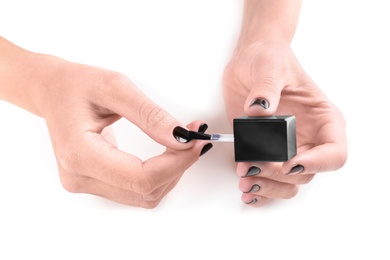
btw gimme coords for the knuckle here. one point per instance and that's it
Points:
(304, 178)
(292, 192)
(274, 174)
(153, 196)
(343, 157)
(140, 203)
(110, 82)
(271, 192)
(150, 204)
(73, 185)
(287, 191)
(115, 79)
(71, 159)
(269, 84)
(146, 188)
(67, 161)
(142, 185)
(152, 115)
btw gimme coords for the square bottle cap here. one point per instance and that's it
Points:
(270, 139)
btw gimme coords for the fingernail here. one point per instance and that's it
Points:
(253, 171)
(206, 148)
(252, 201)
(254, 189)
(261, 102)
(181, 134)
(296, 169)
(203, 128)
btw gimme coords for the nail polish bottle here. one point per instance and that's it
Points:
(271, 139)
(259, 139)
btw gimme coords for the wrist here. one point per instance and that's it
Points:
(246, 53)
(253, 45)
(268, 22)
(45, 80)
(24, 76)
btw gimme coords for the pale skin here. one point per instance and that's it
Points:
(265, 78)
(79, 104)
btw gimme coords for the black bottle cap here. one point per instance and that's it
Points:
(270, 139)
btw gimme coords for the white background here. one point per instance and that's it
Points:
(175, 51)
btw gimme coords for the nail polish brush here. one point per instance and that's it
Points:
(211, 137)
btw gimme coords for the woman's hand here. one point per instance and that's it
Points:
(79, 103)
(266, 79)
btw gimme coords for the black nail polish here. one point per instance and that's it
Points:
(203, 128)
(260, 102)
(253, 171)
(296, 169)
(206, 148)
(252, 201)
(198, 135)
(254, 189)
(181, 134)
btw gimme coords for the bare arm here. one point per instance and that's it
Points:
(269, 21)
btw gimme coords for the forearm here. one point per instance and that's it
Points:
(24, 76)
(269, 21)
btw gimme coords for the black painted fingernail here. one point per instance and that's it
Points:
(181, 134)
(296, 169)
(206, 148)
(253, 171)
(252, 201)
(260, 102)
(203, 128)
(254, 189)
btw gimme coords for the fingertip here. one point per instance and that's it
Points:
(181, 134)
(184, 141)
(296, 170)
(254, 201)
(263, 99)
(205, 149)
(323, 158)
(202, 128)
(242, 168)
(262, 102)
(197, 125)
(294, 166)
(260, 106)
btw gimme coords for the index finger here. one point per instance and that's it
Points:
(329, 155)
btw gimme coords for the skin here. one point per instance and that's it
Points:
(264, 67)
(79, 103)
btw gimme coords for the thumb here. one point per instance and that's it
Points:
(263, 99)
